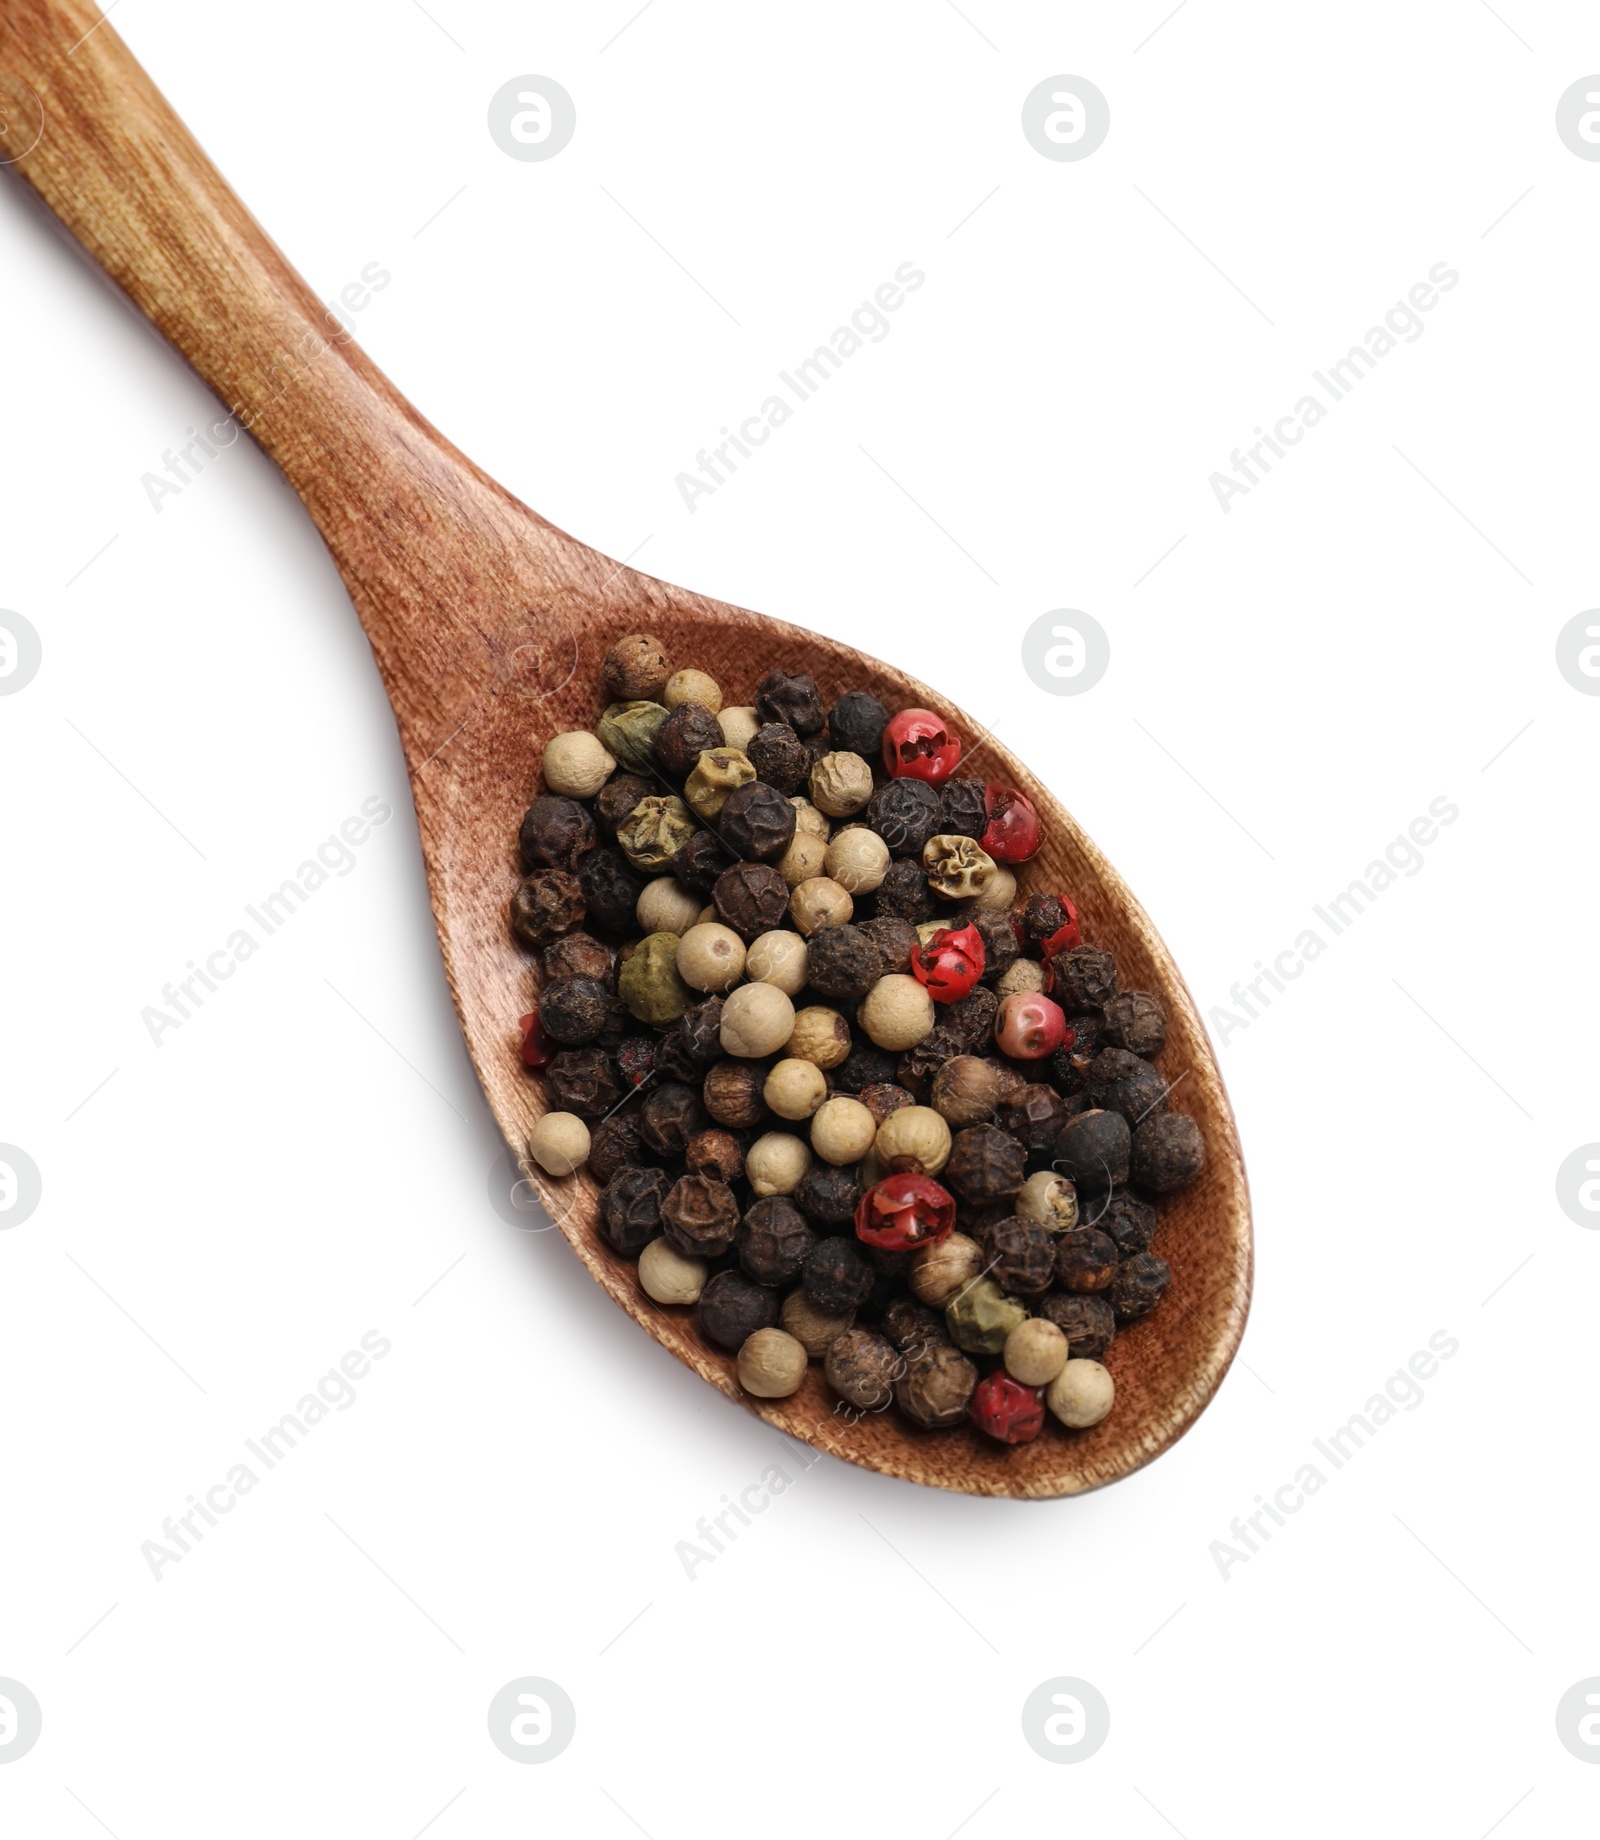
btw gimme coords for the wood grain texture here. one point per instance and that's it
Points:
(488, 626)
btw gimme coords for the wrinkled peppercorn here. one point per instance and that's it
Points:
(781, 698)
(1092, 1151)
(1043, 916)
(913, 1327)
(694, 1043)
(962, 808)
(830, 1193)
(574, 1010)
(985, 1164)
(856, 724)
(751, 897)
(980, 1316)
(837, 1277)
(636, 1058)
(1139, 1286)
(1167, 1152)
(774, 1241)
(1000, 948)
(863, 1367)
(732, 1308)
(583, 1080)
(630, 1208)
(1121, 1082)
(556, 834)
(842, 962)
(610, 892)
(654, 832)
(972, 1020)
(732, 1094)
(865, 1065)
(896, 940)
(1020, 1255)
(919, 1066)
(779, 757)
(905, 814)
(1069, 1064)
(1083, 979)
(1086, 1259)
(617, 798)
(615, 1144)
(548, 904)
(904, 894)
(685, 735)
(700, 1216)
(628, 732)
(1135, 1020)
(1034, 1117)
(1085, 1319)
(756, 822)
(937, 1386)
(712, 1152)
(881, 1100)
(1130, 1222)
(579, 955)
(670, 1116)
(701, 860)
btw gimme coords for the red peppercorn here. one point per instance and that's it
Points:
(1029, 1026)
(534, 1052)
(1012, 833)
(917, 745)
(1007, 1410)
(951, 964)
(904, 1211)
(1065, 938)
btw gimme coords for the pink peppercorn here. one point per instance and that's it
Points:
(533, 1050)
(1028, 1025)
(1007, 1410)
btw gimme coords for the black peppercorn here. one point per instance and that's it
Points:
(842, 963)
(863, 1367)
(837, 1277)
(700, 1216)
(1168, 1151)
(1083, 979)
(779, 757)
(985, 1164)
(781, 698)
(895, 939)
(1020, 1255)
(1130, 1222)
(700, 861)
(856, 724)
(1137, 1021)
(614, 802)
(918, 1065)
(1086, 1259)
(881, 1100)
(1139, 1286)
(972, 1019)
(962, 808)
(1043, 916)
(1069, 1065)
(1085, 1319)
(583, 1080)
(751, 897)
(732, 1094)
(913, 1327)
(685, 735)
(573, 1011)
(937, 1386)
(1034, 1118)
(712, 1152)
(732, 1308)
(865, 1065)
(556, 834)
(630, 1208)
(904, 894)
(670, 1116)
(548, 904)
(756, 822)
(636, 1058)
(829, 1193)
(1121, 1082)
(774, 1241)
(579, 955)
(1092, 1151)
(693, 1043)
(615, 1144)
(905, 814)
(1000, 948)
(611, 893)
(975, 1221)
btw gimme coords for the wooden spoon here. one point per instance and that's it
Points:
(489, 625)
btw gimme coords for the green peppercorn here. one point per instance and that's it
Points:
(628, 731)
(654, 832)
(649, 983)
(981, 1316)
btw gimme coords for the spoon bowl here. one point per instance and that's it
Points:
(489, 627)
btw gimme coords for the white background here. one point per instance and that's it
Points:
(308, 1158)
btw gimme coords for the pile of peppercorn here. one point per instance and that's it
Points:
(843, 1093)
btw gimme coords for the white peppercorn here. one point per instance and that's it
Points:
(779, 958)
(914, 1139)
(1081, 1394)
(1035, 1352)
(897, 1012)
(667, 1276)
(1049, 1200)
(757, 1020)
(808, 819)
(710, 956)
(794, 1089)
(1026, 974)
(842, 1130)
(560, 1143)
(776, 1163)
(739, 725)
(803, 859)
(940, 1270)
(820, 1035)
(998, 894)
(771, 1364)
(815, 1329)
(841, 784)
(692, 687)
(576, 764)
(666, 906)
(857, 859)
(819, 901)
